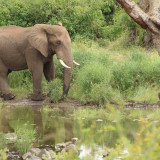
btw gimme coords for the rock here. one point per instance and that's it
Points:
(32, 157)
(61, 145)
(72, 147)
(68, 143)
(46, 154)
(35, 151)
(35, 158)
(52, 153)
(99, 120)
(27, 155)
(74, 140)
(11, 137)
(106, 154)
(58, 149)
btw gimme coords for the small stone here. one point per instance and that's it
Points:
(32, 157)
(155, 121)
(26, 155)
(57, 149)
(61, 145)
(74, 140)
(72, 147)
(136, 120)
(45, 153)
(105, 154)
(13, 152)
(35, 151)
(68, 143)
(52, 153)
(11, 137)
(99, 120)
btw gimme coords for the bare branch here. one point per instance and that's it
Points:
(145, 20)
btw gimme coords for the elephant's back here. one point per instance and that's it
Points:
(10, 27)
(10, 53)
(12, 30)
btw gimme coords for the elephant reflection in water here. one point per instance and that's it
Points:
(10, 119)
(4, 121)
(49, 133)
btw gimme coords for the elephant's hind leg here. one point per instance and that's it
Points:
(49, 70)
(5, 93)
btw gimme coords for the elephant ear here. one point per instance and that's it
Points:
(38, 39)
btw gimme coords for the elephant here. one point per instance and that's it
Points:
(33, 48)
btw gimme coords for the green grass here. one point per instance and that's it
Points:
(115, 76)
(55, 90)
(3, 141)
(25, 140)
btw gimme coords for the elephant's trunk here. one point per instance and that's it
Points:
(67, 76)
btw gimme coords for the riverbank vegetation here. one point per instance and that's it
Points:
(116, 66)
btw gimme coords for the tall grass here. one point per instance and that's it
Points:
(104, 78)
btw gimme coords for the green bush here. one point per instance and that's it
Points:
(124, 26)
(19, 79)
(138, 69)
(102, 79)
(91, 74)
(3, 141)
(79, 17)
(92, 84)
(55, 90)
(3, 155)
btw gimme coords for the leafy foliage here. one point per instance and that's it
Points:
(54, 90)
(102, 78)
(124, 26)
(87, 17)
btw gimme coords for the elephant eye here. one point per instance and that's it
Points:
(58, 42)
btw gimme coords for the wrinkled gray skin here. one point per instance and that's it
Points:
(33, 48)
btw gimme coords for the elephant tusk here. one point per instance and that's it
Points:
(63, 64)
(76, 63)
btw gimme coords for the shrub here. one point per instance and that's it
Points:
(3, 141)
(19, 79)
(91, 74)
(79, 17)
(92, 84)
(138, 69)
(54, 90)
(124, 26)
(103, 93)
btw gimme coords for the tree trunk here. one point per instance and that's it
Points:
(147, 15)
(148, 37)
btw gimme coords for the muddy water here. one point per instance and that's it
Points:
(52, 126)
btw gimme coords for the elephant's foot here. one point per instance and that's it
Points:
(37, 97)
(8, 96)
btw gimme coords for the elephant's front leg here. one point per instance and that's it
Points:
(37, 74)
(35, 66)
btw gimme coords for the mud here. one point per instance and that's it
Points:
(135, 105)
(29, 102)
(72, 103)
